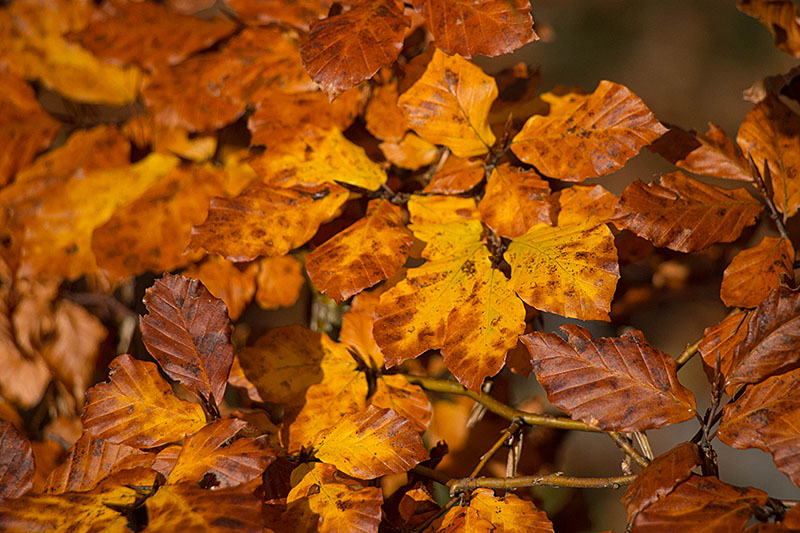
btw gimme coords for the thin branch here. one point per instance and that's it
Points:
(688, 353)
(761, 182)
(626, 446)
(553, 480)
(446, 507)
(430, 473)
(508, 432)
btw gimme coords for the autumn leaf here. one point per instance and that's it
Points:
(213, 451)
(279, 281)
(489, 27)
(515, 200)
(382, 117)
(188, 332)
(136, 407)
(440, 209)
(570, 270)
(225, 280)
(456, 302)
(722, 340)
(701, 504)
(325, 500)
(411, 152)
(661, 477)
(449, 105)
(754, 272)
(345, 49)
(581, 204)
(683, 214)
(369, 251)
(595, 134)
(16, 463)
(780, 18)
(266, 220)
(508, 512)
(457, 175)
(620, 383)
(770, 134)
(371, 444)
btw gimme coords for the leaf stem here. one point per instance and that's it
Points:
(553, 480)
(761, 184)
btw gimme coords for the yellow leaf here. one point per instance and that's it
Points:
(441, 209)
(450, 104)
(188, 507)
(411, 152)
(570, 270)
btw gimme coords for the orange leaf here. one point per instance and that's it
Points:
(509, 513)
(368, 252)
(188, 332)
(620, 383)
(327, 501)
(266, 220)
(770, 134)
(16, 462)
(24, 128)
(226, 281)
(456, 302)
(570, 270)
(713, 154)
(754, 272)
(780, 18)
(136, 407)
(382, 116)
(90, 460)
(411, 152)
(722, 340)
(589, 204)
(441, 209)
(148, 34)
(772, 340)
(700, 505)
(683, 214)
(457, 175)
(187, 507)
(595, 134)
(209, 451)
(371, 444)
(298, 13)
(515, 200)
(460, 518)
(449, 105)
(279, 282)
(661, 477)
(489, 27)
(345, 49)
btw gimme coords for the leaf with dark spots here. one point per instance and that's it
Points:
(16, 462)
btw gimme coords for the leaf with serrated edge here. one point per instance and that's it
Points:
(592, 137)
(371, 444)
(450, 104)
(754, 272)
(614, 383)
(683, 214)
(188, 332)
(366, 253)
(136, 407)
(570, 270)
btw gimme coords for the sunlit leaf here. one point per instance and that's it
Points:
(754, 272)
(136, 407)
(590, 136)
(780, 18)
(382, 117)
(449, 104)
(442, 209)
(489, 27)
(683, 214)
(620, 383)
(369, 251)
(346, 49)
(411, 152)
(187, 507)
(298, 13)
(570, 270)
(266, 220)
(225, 280)
(279, 281)
(16, 462)
(515, 200)
(581, 204)
(508, 513)
(457, 175)
(464, 518)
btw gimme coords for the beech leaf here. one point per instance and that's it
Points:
(754, 272)
(515, 200)
(16, 462)
(581, 204)
(780, 18)
(509, 512)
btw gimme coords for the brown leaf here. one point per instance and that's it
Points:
(772, 342)
(279, 281)
(620, 383)
(366, 253)
(450, 104)
(343, 50)
(713, 154)
(298, 13)
(90, 460)
(148, 34)
(210, 451)
(136, 407)
(16, 462)
(771, 132)
(661, 477)
(515, 200)
(489, 27)
(701, 505)
(780, 18)
(596, 134)
(456, 176)
(683, 214)
(581, 204)
(188, 332)
(754, 272)
(266, 220)
(723, 340)
(226, 281)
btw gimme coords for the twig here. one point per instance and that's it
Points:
(688, 353)
(446, 507)
(761, 183)
(626, 446)
(553, 480)
(508, 432)
(430, 473)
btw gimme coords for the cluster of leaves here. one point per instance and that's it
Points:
(356, 141)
